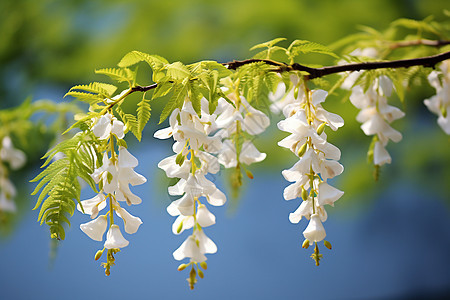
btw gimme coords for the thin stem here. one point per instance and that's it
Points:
(111, 210)
(424, 42)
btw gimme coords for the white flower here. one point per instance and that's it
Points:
(315, 231)
(93, 206)
(95, 229)
(114, 238)
(7, 204)
(131, 222)
(15, 157)
(189, 249)
(249, 154)
(121, 174)
(195, 247)
(328, 194)
(204, 217)
(440, 103)
(376, 115)
(380, 155)
(106, 125)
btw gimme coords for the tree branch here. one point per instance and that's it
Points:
(425, 42)
(428, 61)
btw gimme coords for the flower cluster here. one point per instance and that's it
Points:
(376, 115)
(238, 125)
(305, 121)
(440, 103)
(191, 164)
(16, 159)
(113, 178)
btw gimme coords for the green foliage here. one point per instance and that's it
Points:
(118, 74)
(298, 47)
(257, 80)
(58, 183)
(143, 115)
(92, 93)
(271, 48)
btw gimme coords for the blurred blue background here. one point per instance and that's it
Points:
(390, 238)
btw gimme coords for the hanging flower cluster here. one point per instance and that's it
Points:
(440, 103)
(305, 121)
(192, 163)
(16, 159)
(376, 115)
(238, 125)
(113, 178)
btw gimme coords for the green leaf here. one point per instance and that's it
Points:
(177, 71)
(130, 122)
(59, 182)
(196, 97)
(163, 88)
(298, 47)
(85, 97)
(103, 89)
(117, 74)
(177, 100)
(268, 44)
(143, 114)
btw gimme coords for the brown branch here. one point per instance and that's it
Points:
(428, 61)
(425, 42)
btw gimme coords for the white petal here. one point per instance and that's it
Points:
(15, 157)
(164, 133)
(93, 206)
(130, 176)
(255, 121)
(131, 222)
(318, 96)
(102, 128)
(217, 198)
(292, 191)
(445, 123)
(188, 222)
(95, 229)
(117, 128)
(315, 232)
(249, 153)
(328, 194)
(115, 239)
(304, 210)
(189, 249)
(204, 217)
(205, 243)
(380, 155)
(126, 160)
(7, 205)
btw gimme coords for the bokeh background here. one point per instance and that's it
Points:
(390, 238)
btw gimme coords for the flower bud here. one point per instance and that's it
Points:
(302, 150)
(98, 254)
(204, 265)
(321, 128)
(305, 244)
(304, 194)
(249, 174)
(444, 111)
(179, 160)
(327, 244)
(182, 267)
(180, 226)
(200, 273)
